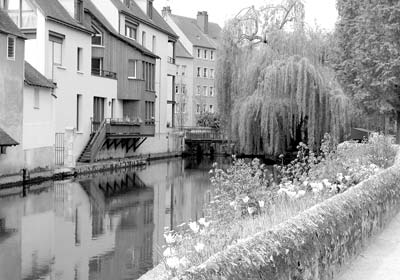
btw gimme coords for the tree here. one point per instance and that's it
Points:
(209, 120)
(368, 54)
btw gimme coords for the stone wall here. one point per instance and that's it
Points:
(316, 243)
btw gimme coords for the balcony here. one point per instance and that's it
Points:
(125, 128)
(104, 73)
(23, 19)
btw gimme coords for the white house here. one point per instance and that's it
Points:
(38, 121)
(59, 47)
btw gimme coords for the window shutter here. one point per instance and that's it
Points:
(11, 47)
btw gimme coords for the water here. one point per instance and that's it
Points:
(106, 226)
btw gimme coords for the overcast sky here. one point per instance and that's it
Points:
(321, 11)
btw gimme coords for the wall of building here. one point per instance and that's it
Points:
(11, 98)
(38, 129)
(201, 81)
(71, 82)
(185, 118)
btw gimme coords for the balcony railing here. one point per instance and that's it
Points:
(124, 126)
(104, 73)
(24, 19)
(171, 60)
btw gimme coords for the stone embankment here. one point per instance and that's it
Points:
(63, 173)
(317, 243)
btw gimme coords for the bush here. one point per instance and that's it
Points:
(248, 199)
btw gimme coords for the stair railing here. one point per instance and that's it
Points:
(98, 140)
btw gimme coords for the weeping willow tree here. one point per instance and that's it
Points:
(273, 96)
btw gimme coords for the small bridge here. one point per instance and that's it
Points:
(205, 140)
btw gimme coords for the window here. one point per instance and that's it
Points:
(183, 108)
(143, 38)
(149, 76)
(205, 54)
(212, 73)
(204, 108)
(211, 109)
(205, 72)
(11, 47)
(78, 111)
(97, 37)
(97, 66)
(198, 53)
(198, 71)
(3, 150)
(212, 55)
(150, 8)
(205, 90)
(78, 10)
(130, 30)
(132, 69)
(198, 108)
(177, 89)
(177, 108)
(198, 90)
(183, 89)
(211, 91)
(36, 99)
(56, 47)
(183, 70)
(79, 58)
(153, 48)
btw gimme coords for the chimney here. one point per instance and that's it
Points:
(202, 21)
(166, 11)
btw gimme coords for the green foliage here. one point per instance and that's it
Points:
(209, 120)
(368, 51)
(247, 200)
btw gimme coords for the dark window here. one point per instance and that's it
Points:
(3, 149)
(97, 66)
(132, 69)
(79, 58)
(79, 10)
(97, 37)
(130, 31)
(11, 47)
(150, 8)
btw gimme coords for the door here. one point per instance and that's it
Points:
(98, 112)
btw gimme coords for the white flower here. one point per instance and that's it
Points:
(211, 171)
(169, 252)
(300, 194)
(251, 210)
(261, 203)
(339, 176)
(184, 262)
(305, 183)
(203, 222)
(317, 187)
(246, 199)
(232, 203)
(169, 238)
(291, 194)
(194, 227)
(348, 178)
(199, 247)
(173, 262)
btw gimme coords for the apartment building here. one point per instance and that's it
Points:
(198, 38)
(138, 21)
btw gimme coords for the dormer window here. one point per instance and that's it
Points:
(78, 10)
(150, 8)
(97, 37)
(11, 47)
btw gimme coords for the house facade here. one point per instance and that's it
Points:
(11, 96)
(138, 21)
(199, 38)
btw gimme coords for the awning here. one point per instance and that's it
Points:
(6, 140)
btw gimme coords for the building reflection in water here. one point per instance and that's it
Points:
(107, 226)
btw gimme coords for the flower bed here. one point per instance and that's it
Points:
(249, 198)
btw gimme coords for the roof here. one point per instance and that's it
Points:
(34, 78)
(6, 140)
(8, 26)
(180, 51)
(91, 8)
(136, 12)
(53, 10)
(195, 35)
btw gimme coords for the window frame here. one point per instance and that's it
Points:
(79, 59)
(36, 98)
(205, 54)
(131, 26)
(135, 65)
(97, 32)
(14, 40)
(144, 38)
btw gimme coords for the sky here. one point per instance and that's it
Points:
(322, 12)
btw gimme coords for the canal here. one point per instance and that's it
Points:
(106, 226)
